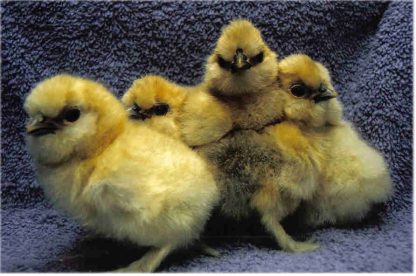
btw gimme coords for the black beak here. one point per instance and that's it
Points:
(324, 94)
(40, 128)
(240, 62)
(138, 115)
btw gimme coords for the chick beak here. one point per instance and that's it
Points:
(324, 94)
(138, 115)
(42, 127)
(240, 62)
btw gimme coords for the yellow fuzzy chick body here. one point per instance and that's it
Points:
(354, 178)
(119, 178)
(353, 175)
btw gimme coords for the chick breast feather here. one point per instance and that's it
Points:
(354, 178)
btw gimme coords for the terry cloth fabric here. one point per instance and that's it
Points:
(366, 45)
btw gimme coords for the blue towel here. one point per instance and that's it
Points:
(366, 45)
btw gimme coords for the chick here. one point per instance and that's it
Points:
(187, 113)
(121, 179)
(353, 175)
(270, 172)
(242, 73)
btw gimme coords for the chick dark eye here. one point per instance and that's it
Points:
(299, 90)
(223, 63)
(71, 115)
(257, 59)
(161, 109)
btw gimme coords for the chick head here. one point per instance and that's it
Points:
(156, 101)
(310, 95)
(242, 62)
(71, 117)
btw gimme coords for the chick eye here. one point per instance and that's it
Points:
(161, 109)
(257, 59)
(223, 63)
(299, 90)
(71, 115)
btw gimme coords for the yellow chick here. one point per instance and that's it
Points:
(119, 178)
(353, 176)
(242, 73)
(187, 113)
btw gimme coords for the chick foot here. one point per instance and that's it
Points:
(285, 241)
(149, 262)
(299, 247)
(207, 250)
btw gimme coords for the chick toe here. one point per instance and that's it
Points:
(299, 247)
(207, 250)
(149, 262)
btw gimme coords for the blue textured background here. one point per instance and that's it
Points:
(367, 47)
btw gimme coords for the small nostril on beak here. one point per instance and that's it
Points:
(322, 89)
(240, 61)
